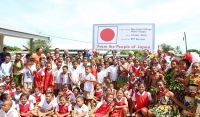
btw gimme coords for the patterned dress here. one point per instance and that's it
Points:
(164, 106)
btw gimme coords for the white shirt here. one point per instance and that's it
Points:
(31, 107)
(47, 107)
(100, 77)
(27, 74)
(113, 71)
(6, 69)
(149, 95)
(11, 113)
(66, 78)
(106, 71)
(32, 99)
(57, 73)
(81, 109)
(88, 85)
(17, 96)
(75, 74)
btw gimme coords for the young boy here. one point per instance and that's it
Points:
(88, 80)
(65, 75)
(27, 79)
(46, 107)
(80, 109)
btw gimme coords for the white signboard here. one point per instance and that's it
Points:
(123, 36)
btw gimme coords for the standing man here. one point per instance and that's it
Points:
(4, 54)
(37, 55)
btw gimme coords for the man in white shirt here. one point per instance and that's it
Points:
(75, 75)
(114, 71)
(6, 67)
(7, 111)
(57, 72)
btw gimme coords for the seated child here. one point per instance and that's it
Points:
(98, 92)
(46, 107)
(63, 108)
(103, 108)
(24, 107)
(121, 105)
(80, 109)
(141, 101)
(38, 95)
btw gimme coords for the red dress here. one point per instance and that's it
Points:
(118, 112)
(102, 110)
(98, 94)
(136, 70)
(63, 109)
(48, 79)
(38, 78)
(141, 101)
(38, 97)
(24, 109)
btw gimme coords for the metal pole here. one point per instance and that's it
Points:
(185, 41)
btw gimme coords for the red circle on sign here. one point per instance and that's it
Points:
(107, 34)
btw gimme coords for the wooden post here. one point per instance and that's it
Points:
(1, 42)
(31, 45)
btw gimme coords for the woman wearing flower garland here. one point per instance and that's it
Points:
(166, 103)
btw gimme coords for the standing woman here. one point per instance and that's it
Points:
(17, 69)
(166, 104)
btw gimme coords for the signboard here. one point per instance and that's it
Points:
(123, 36)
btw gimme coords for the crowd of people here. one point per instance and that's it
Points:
(89, 85)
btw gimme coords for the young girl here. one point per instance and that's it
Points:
(141, 101)
(80, 109)
(121, 105)
(132, 80)
(24, 107)
(98, 92)
(114, 91)
(49, 77)
(63, 108)
(38, 95)
(103, 108)
(38, 76)
(135, 68)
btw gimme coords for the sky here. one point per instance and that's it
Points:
(73, 19)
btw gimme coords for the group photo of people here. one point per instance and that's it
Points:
(92, 85)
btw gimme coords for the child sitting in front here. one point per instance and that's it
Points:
(63, 108)
(38, 95)
(121, 105)
(103, 108)
(141, 101)
(24, 107)
(80, 109)
(46, 107)
(98, 92)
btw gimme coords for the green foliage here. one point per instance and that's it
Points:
(10, 48)
(167, 48)
(194, 50)
(44, 44)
